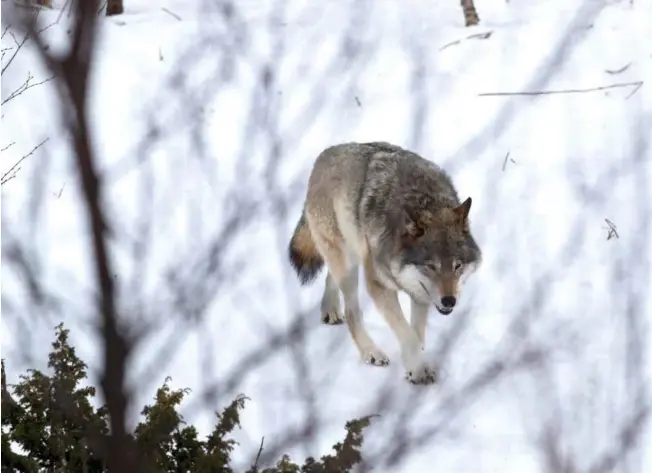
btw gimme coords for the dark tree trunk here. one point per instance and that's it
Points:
(114, 7)
(470, 14)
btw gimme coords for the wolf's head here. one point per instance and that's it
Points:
(436, 255)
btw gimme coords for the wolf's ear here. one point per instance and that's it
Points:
(462, 210)
(411, 226)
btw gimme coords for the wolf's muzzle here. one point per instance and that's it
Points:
(447, 302)
(444, 310)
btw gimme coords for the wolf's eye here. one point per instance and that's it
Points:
(433, 266)
(457, 265)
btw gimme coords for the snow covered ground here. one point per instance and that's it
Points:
(213, 122)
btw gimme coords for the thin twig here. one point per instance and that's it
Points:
(636, 84)
(611, 230)
(7, 147)
(618, 71)
(11, 173)
(18, 48)
(25, 86)
(58, 194)
(485, 35)
(58, 20)
(506, 158)
(172, 13)
(634, 90)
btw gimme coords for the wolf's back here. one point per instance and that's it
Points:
(337, 176)
(354, 186)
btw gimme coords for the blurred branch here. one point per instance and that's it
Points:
(72, 74)
(627, 438)
(454, 403)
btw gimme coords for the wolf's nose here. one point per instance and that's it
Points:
(448, 301)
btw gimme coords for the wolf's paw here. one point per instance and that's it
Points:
(332, 317)
(374, 356)
(421, 375)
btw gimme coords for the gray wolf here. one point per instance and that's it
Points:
(397, 215)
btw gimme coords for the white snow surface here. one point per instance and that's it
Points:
(544, 172)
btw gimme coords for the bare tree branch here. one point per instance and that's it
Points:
(11, 172)
(72, 74)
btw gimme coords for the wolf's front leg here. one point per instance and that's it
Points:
(419, 320)
(344, 275)
(386, 301)
(369, 352)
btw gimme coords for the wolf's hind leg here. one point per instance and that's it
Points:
(345, 276)
(330, 302)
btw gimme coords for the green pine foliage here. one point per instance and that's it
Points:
(50, 424)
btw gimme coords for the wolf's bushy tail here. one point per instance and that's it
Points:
(304, 257)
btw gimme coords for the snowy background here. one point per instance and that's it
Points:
(206, 121)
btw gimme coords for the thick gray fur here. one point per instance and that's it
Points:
(397, 215)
